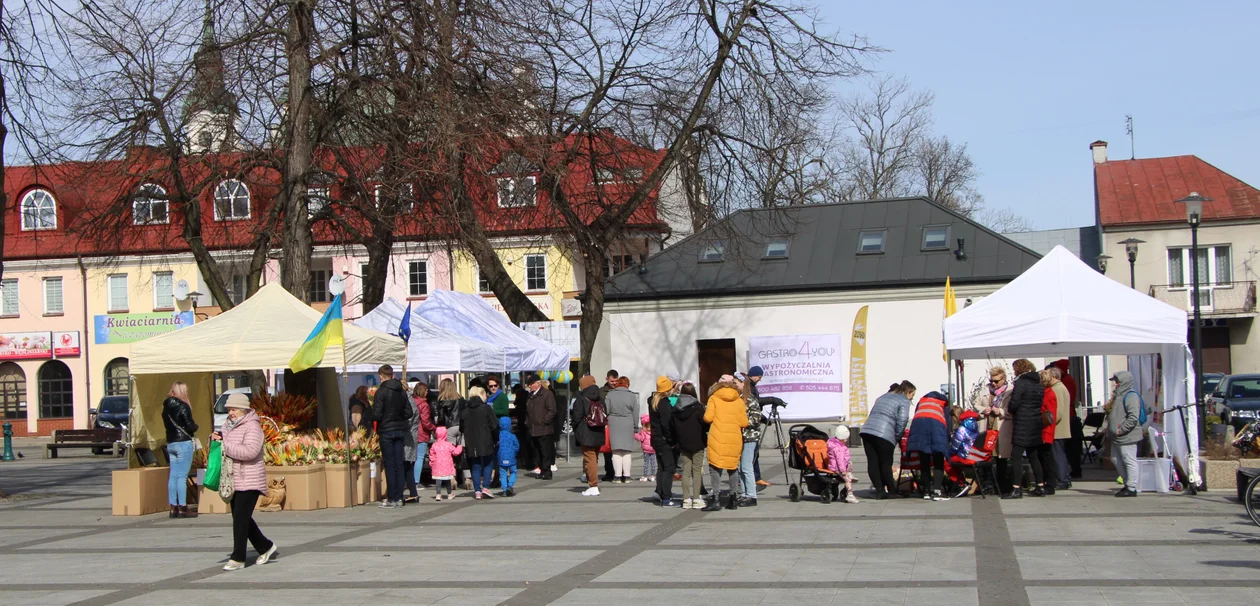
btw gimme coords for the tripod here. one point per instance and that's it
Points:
(777, 423)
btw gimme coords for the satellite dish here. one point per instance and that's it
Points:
(336, 285)
(181, 290)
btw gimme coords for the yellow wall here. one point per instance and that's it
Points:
(559, 275)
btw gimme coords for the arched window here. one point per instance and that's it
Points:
(150, 205)
(231, 201)
(12, 391)
(56, 391)
(39, 210)
(117, 377)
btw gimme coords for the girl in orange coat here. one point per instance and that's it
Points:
(727, 416)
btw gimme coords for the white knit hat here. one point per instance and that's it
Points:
(841, 432)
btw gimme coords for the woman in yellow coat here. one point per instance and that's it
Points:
(727, 416)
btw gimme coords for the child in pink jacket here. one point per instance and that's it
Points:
(442, 461)
(838, 460)
(644, 437)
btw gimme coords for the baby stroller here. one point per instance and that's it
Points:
(809, 455)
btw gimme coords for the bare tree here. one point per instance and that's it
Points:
(887, 126)
(947, 175)
(1003, 220)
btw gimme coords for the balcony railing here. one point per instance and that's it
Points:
(1214, 299)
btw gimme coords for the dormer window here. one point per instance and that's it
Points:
(777, 248)
(150, 206)
(871, 242)
(713, 252)
(231, 201)
(39, 210)
(936, 237)
(517, 192)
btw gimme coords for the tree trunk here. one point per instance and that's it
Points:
(297, 242)
(592, 305)
(379, 249)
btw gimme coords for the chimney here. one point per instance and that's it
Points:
(1100, 151)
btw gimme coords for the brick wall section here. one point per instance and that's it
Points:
(19, 427)
(46, 427)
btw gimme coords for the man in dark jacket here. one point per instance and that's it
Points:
(540, 416)
(1025, 411)
(589, 439)
(392, 410)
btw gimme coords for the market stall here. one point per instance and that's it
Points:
(471, 316)
(433, 348)
(1060, 307)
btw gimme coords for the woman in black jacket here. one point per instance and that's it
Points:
(480, 429)
(180, 429)
(588, 438)
(689, 431)
(1025, 411)
(660, 414)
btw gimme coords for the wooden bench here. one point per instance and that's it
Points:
(97, 439)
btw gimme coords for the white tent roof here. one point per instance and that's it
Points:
(432, 348)
(262, 332)
(471, 316)
(1062, 307)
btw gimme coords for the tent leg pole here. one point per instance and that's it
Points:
(345, 380)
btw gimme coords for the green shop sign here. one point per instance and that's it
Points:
(129, 328)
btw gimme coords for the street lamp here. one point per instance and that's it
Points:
(1102, 263)
(1131, 247)
(1194, 214)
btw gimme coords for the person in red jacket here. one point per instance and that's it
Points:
(423, 425)
(1050, 411)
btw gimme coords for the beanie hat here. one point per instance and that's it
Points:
(756, 371)
(842, 433)
(585, 381)
(664, 384)
(237, 400)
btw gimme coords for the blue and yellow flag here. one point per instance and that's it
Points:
(328, 331)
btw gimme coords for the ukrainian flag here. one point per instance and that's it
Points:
(327, 332)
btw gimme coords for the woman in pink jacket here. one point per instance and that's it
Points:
(242, 438)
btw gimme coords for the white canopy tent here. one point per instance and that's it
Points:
(432, 348)
(1061, 307)
(471, 316)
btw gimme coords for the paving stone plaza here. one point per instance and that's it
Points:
(551, 545)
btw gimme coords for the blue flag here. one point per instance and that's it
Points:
(404, 328)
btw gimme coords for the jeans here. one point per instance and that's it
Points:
(507, 475)
(243, 525)
(1124, 456)
(481, 470)
(1064, 475)
(621, 463)
(649, 465)
(732, 478)
(546, 449)
(879, 462)
(590, 463)
(692, 474)
(392, 454)
(180, 455)
(1017, 465)
(665, 475)
(747, 478)
(422, 449)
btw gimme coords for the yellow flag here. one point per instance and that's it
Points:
(951, 308)
(328, 331)
(857, 370)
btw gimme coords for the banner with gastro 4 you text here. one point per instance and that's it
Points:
(806, 371)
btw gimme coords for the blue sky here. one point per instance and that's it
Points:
(1029, 85)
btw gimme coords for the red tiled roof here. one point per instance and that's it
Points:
(1137, 192)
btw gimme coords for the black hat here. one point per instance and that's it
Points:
(530, 379)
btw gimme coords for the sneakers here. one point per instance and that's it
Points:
(936, 496)
(687, 503)
(386, 504)
(643, 479)
(1125, 492)
(851, 498)
(1016, 493)
(266, 557)
(583, 480)
(651, 478)
(591, 492)
(746, 502)
(554, 469)
(927, 496)
(234, 565)
(509, 492)
(487, 494)
(625, 480)
(667, 503)
(536, 471)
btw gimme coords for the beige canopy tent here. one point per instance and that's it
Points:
(261, 333)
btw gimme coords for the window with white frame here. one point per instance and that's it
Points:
(777, 248)
(535, 272)
(871, 241)
(39, 210)
(238, 289)
(417, 278)
(713, 252)
(54, 303)
(117, 287)
(231, 201)
(150, 205)
(936, 237)
(318, 195)
(620, 263)
(163, 290)
(1215, 265)
(319, 286)
(516, 192)
(9, 301)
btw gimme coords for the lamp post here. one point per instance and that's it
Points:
(1131, 248)
(1194, 213)
(1102, 263)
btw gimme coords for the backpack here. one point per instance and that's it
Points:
(1141, 404)
(596, 416)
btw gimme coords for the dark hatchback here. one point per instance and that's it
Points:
(1237, 398)
(113, 412)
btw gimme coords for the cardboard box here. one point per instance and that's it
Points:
(338, 488)
(140, 491)
(210, 502)
(305, 486)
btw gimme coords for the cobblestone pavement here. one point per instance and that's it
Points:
(552, 545)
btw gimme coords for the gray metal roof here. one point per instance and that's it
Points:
(823, 253)
(1083, 242)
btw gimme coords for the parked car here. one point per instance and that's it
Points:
(1236, 399)
(220, 405)
(113, 412)
(1211, 380)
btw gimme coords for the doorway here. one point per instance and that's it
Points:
(717, 357)
(1216, 356)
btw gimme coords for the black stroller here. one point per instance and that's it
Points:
(808, 454)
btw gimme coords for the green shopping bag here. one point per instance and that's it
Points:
(214, 466)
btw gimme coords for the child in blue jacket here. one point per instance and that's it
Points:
(508, 447)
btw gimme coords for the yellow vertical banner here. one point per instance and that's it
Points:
(857, 370)
(951, 308)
